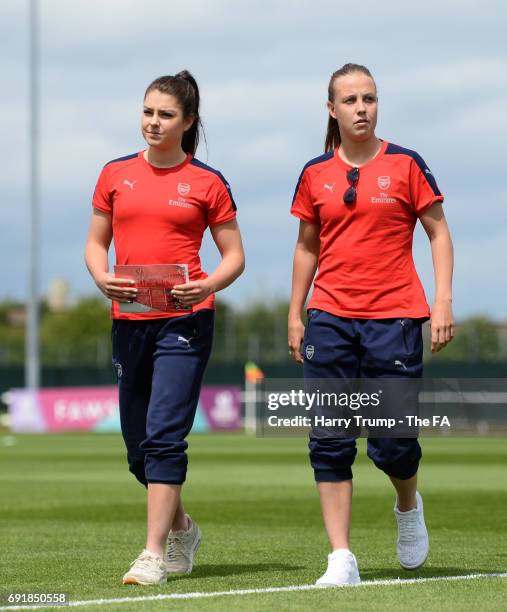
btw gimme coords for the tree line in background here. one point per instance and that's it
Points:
(80, 335)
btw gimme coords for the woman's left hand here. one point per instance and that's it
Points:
(193, 292)
(442, 325)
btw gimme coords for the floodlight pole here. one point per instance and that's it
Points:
(32, 366)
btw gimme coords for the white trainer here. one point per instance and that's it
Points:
(181, 548)
(341, 570)
(147, 569)
(413, 543)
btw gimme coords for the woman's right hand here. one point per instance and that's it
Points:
(296, 334)
(119, 289)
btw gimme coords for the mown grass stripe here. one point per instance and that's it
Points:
(304, 587)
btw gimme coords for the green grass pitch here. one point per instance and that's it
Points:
(73, 518)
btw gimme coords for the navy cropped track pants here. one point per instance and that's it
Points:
(340, 347)
(160, 364)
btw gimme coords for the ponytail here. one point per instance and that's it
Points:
(333, 138)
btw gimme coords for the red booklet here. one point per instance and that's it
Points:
(154, 284)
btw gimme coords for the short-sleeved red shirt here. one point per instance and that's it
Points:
(365, 267)
(159, 215)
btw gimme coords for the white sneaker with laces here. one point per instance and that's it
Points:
(413, 543)
(181, 548)
(341, 570)
(148, 568)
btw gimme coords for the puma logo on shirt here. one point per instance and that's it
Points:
(130, 184)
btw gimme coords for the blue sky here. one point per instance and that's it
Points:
(263, 69)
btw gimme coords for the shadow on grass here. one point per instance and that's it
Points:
(233, 569)
(426, 572)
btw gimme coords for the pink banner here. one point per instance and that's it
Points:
(96, 409)
(221, 407)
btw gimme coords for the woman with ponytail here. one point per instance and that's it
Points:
(156, 205)
(358, 205)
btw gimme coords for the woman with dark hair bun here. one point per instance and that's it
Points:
(156, 204)
(358, 205)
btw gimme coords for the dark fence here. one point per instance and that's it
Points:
(13, 377)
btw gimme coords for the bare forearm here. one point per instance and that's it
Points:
(97, 247)
(228, 270)
(306, 258)
(443, 262)
(442, 322)
(303, 272)
(96, 259)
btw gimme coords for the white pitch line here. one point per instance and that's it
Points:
(304, 587)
